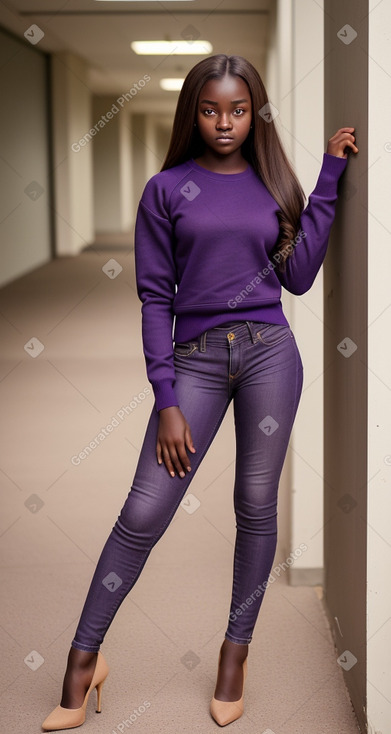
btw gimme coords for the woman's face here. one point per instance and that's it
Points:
(224, 114)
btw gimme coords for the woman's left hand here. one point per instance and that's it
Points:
(343, 138)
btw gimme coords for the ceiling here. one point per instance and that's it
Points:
(101, 33)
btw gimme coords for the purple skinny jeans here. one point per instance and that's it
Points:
(258, 366)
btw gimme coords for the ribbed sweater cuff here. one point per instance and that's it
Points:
(164, 394)
(332, 168)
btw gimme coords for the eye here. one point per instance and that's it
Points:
(206, 112)
(240, 110)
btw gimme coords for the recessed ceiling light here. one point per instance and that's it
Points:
(165, 48)
(171, 85)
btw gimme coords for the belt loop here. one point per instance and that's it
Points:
(202, 342)
(251, 327)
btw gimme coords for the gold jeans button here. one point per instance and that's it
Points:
(230, 336)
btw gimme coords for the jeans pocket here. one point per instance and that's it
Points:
(185, 349)
(271, 334)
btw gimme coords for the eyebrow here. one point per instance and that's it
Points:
(235, 101)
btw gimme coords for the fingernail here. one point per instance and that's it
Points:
(172, 473)
(188, 468)
(182, 474)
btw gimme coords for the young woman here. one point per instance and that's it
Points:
(219, 230)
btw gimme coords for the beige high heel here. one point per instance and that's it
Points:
(63, 718)
(224, 712)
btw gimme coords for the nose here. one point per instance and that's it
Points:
(223, 122)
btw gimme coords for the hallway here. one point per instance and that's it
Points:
(71, 365)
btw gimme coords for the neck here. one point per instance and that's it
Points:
(234, 163)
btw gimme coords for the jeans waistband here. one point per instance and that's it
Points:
(231, 332)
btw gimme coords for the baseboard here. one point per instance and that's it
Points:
(306, 576)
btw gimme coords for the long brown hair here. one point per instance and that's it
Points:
(262, 147)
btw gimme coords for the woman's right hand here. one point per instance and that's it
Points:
(173, 437)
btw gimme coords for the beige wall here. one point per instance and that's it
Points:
(345, 296)
(307, 144)
(126, 153)
(137, 126)
(357, 386)
(295, 76)
(150, 135)
(24, 216)
(379, 371)
(126, 172)
(72, 119)
(112, 166)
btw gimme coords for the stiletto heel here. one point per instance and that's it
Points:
(224, 712)
(63, 718)
(99, 697)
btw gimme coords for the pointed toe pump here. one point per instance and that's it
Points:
(63, 718)
(224, 712)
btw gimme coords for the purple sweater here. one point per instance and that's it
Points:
(203, 245)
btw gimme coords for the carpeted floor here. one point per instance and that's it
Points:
(71, 361)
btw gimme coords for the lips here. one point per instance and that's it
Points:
(224, 137)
